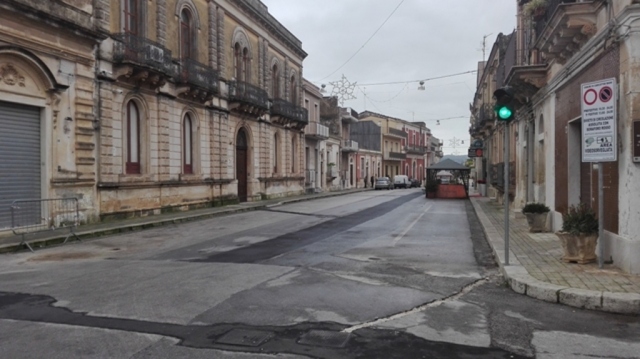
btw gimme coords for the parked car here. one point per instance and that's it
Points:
(414, 183)
(383, 183)
(401, 181)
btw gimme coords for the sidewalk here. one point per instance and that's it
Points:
(536, 269)
(37, 240)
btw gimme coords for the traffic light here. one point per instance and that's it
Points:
(504, 103)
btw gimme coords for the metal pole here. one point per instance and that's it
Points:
(506, 193)
(600, 215)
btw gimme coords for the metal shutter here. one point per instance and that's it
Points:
(20, 163)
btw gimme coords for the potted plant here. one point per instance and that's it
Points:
(431, 188)
(535, 9)
(482, 187)
(536, 214)
(579, 234)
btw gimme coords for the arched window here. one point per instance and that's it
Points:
(186, 34)
(245, 65)
(275, 81)
(293, 154)
(293, 87)
(187, 145)
(133, 139)
(241, 60)
(276, 153)
(132, 17)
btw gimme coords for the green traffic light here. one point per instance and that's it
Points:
(504, 113)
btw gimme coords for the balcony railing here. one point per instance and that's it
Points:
(397, 133)
(140, 51)
(317, 131)
(349, 146)
(332, 172)
(194, 73)
(416, 150)
(310, 178)
(248, 94)
(289, 112)
(395, 156)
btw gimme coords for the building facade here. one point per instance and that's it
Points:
(200, 104)
(137, 107)
(369, 160)
(48, 123)
(546, 61)
(316, 135)
(341, 149)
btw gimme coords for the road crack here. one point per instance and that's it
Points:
(464, 290)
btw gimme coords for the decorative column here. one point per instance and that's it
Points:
(161, 21)
(222, 49)
(213, 36)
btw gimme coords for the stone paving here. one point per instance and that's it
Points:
(540, 254)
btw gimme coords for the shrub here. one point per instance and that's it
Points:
(580, 219)
(431, 186)
(535, 208)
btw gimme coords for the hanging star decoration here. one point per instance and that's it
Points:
(343, 89)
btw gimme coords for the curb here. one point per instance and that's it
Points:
(521, 282)
(100, 232)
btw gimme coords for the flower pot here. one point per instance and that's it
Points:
(537, 222)
(580, 248)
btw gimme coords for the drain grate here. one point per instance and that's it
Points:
(243, 337)
(325, 338)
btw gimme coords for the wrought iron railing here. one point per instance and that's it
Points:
(280, 107)
(496, 174)
(421, 150)
(396, 156)
(249, 94)
(396, 132)
(129, 48)
(195, 73)
(552, 6)
(507, 62)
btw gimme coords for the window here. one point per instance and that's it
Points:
(131, 19)
(293, 87)
(293, 155)
(133, 139)
(187, 148)
(186, 35)
(241, 62)
(275, 82)
(275, 153)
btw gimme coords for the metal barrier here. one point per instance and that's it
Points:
(37, 215)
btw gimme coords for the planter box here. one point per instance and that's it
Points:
(580, 248)
(537, 222)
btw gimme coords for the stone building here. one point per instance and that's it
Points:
(546, 61)
(341, 149)
(48, 123)
(199, 105)
(368, 135)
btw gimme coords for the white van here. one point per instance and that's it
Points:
(401, 181)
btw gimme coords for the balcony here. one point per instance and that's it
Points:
(396, 133)
(315, 130)
(394, 156)
(196, 81)
(141, 61)
(287, 114)
(416, 150)
(439, 154)
(247, 98)
(332, 172)
(515, 71)
(349, 115)
(565, 27)
(349, 146)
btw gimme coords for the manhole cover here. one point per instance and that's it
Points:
(324, 338)
(247, 338)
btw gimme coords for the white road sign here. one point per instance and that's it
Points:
(599, 129)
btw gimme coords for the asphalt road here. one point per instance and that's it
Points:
(377, 274)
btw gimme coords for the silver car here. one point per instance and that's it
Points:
(383, 183)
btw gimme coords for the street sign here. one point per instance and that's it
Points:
(475, 152)
(599, 122)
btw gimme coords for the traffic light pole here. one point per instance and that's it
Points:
(506, 192)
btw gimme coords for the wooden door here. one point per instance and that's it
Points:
(241, 165)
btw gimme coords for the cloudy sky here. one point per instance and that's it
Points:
(421, 40)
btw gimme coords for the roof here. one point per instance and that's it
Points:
(449, 165)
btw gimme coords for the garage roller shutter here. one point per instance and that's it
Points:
(20, 163)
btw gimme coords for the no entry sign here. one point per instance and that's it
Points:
(599, 129)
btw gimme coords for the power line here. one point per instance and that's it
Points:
(427, 79)
(366, 42)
